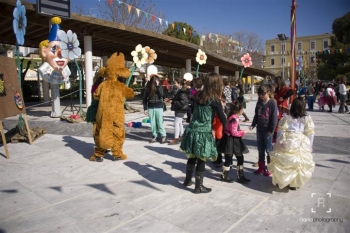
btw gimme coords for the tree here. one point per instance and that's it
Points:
(177, 31)
(119, 13)
(230, 46)
(335, 63)
(341, 30)
(251, 41)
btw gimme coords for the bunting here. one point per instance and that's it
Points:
(129, 8)
(138, 12)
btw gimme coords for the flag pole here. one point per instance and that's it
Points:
(293, 49)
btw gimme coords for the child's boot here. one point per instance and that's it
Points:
(266, 172)
(260, 169)
(200, 188)
(224, 176)
(189, 172)
(240, 175)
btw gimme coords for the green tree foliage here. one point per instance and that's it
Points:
(341, 30)
(331, 65)
(190, 35)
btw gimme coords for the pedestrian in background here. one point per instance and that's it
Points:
(180, 104)
(227, 94)
(342, 96)
(241, 99)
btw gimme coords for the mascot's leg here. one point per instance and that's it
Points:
(119, 138)
(98, 152)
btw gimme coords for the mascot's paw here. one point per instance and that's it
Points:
(122, 157)
(95, 158)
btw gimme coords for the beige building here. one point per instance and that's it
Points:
(278, 54)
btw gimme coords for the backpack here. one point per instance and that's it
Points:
(234, 94)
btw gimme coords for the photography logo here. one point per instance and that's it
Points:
(321, 203)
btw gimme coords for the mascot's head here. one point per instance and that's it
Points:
(115, 67)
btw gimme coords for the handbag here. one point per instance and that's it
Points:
(164, 105)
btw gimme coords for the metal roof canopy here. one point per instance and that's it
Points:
(109, 37)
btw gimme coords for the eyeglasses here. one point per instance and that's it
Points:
(262, 93)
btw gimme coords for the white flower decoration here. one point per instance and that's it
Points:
(201, 57)
(139, 56)
(19, 22)
(69, 44)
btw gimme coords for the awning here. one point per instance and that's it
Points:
(31, 75)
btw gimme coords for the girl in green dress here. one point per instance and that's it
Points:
(198, 142)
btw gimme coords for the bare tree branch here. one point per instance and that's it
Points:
(119, 13)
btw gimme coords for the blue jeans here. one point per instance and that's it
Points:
(264, 143)
(310, 102)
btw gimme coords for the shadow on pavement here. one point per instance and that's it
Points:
(154, 175)
(79, 146)
(168, 151)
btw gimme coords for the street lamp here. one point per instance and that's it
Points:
(283, 38)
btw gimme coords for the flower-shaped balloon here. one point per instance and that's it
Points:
(139, 56)
(69, 44)
(201, 58)
(246, 60)
(152, 56)
(19, 22)
(299, 64)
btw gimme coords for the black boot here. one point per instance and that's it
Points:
(346, 108)
(224, 176)
(189, 172)
(199, 188)
(240, 175)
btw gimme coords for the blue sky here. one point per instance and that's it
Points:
(267, 18)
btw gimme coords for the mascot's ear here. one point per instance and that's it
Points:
(116, 65)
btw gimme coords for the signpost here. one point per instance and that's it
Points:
(60, 8)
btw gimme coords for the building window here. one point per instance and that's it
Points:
(300, 48)
(283, 47)
(272, 48)
(325, 44)
(312, 45)
(283, 60)
(272, 61)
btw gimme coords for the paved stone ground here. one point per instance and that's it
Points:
(51, 186)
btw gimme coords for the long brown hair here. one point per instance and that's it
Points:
(152, 85)
(212, 88)
(280, 83)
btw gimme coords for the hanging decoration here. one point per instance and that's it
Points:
(201, 59)
(247, 62)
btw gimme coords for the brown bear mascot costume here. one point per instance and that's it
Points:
(109, 130)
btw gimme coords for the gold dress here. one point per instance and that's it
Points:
(291, 159)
